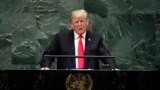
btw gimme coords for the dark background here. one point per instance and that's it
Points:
(56, 79)
(131, 30)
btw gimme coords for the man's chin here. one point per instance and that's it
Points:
(80, 33)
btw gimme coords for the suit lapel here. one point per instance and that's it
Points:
(71, 47)
(71, 43)
(87, 45)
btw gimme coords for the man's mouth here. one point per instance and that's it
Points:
(80, 28)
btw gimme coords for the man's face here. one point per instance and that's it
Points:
(79, 22)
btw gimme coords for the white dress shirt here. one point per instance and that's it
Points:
(76, 40)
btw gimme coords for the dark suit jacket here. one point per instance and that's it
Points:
(63, 44)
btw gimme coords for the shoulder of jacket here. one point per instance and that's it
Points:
(63, 32)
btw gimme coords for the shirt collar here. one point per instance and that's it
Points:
(76, 36)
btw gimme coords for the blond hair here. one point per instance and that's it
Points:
(84, 12)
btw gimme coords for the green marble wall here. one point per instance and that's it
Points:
(131, 29)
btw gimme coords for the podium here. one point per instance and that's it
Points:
(56, 79)
(79, 79)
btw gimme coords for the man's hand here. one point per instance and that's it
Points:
(45, 68)
(116, 69)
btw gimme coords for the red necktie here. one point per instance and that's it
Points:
(80, 53)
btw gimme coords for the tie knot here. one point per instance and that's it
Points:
(80, 36)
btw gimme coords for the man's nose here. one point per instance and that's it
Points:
(79, 23)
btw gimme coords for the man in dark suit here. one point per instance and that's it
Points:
(79, 41)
